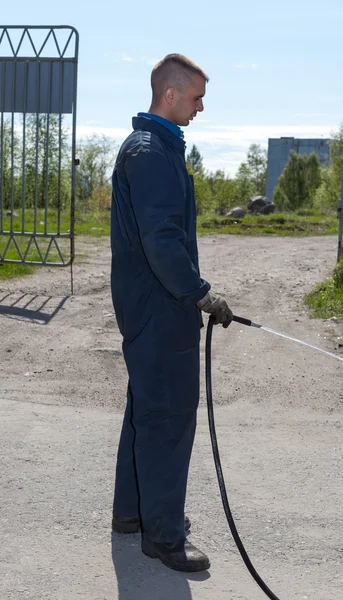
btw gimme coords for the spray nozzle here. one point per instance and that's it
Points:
(246, 322)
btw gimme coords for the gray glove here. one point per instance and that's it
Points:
(217, 307)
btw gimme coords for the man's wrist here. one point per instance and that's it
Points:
(202, 303)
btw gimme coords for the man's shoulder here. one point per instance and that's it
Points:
(139, 141)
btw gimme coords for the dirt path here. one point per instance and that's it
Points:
(279, 418)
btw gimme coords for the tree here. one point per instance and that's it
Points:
(202, 192)
(245, 186)
(313, 177)
(47, 162)
(97, 157)
(46, 180)
(298, 183)
(222, 190)
(257, 166)
(251, 177)
(194, 161)
(10, 165)
(330, 189)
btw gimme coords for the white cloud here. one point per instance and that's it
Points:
(119, 57)
(224, 146)
(149, 60)
(241, 135)
(124, 57)
(117, 133)
(225, 161)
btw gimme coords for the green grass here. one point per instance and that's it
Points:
(326, 300)
(303, 223)
(52, 221)
(95, 225)
(86, 223)
(10, 271)
(92, 225)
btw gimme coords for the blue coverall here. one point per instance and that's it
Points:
(155, 284)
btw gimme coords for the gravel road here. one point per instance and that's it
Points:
(279, 415)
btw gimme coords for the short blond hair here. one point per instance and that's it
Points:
(174, 70)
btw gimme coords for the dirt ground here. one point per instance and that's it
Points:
(279, 414)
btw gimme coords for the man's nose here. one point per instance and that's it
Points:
(200, 105)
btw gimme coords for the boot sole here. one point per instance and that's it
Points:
(190, 568)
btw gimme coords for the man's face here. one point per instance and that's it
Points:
(187, 104)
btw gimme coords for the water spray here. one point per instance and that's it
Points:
(249, 323)
(215, 448)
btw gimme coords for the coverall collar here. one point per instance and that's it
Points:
(159, 130)
(168, 124)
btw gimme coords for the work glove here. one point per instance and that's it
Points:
(217, 307)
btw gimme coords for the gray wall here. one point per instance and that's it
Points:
(279, 151)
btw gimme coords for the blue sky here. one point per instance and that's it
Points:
(275, 67)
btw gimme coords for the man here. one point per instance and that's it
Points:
(158, 296)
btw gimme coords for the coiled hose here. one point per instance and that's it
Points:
(217, 461)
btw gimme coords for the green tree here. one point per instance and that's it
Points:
(328, 193)
(298, 183)
(313, 177)
(257, 165)
(202, 192)
(222, 190)
(245, 187)
(194, 161)
(47, 162)
(9, 166)
(97, 156)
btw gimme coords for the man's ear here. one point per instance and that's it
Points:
(169, 95)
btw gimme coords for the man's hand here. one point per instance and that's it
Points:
(217, 307)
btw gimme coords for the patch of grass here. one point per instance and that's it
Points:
(18, 269)
(326, 300)
(11, 270)
(86, 223)
(93, 224)
(302, 223)
(29, 222)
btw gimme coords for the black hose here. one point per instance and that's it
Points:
(217, 462)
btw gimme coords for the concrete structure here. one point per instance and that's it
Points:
(279, 151)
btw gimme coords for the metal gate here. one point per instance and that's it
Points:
(38, 86)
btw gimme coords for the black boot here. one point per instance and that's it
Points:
(132, 524)
(180, 556)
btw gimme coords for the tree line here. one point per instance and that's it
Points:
(304, 183)
(217, 192)
(36, 160)
(47, 167)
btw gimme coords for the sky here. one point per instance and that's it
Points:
(275, 68)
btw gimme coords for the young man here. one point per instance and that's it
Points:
(158, 295)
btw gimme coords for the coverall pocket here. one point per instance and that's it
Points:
(182, 324)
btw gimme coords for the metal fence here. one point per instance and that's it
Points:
(38, 93)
